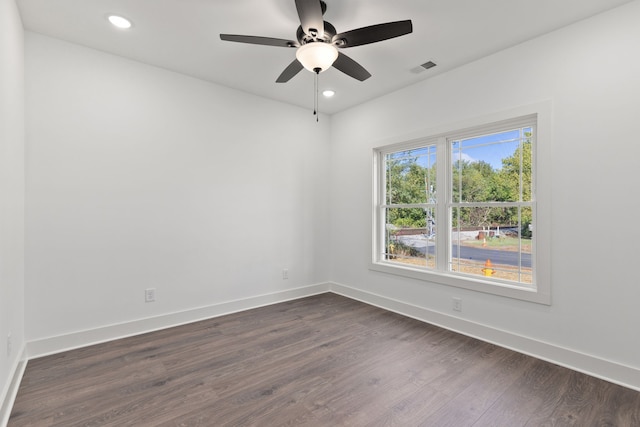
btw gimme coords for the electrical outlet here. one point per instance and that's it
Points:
(457, 304)
(285, 274)
(150, 295)
(9, 344)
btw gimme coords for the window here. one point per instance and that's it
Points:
(460, 208)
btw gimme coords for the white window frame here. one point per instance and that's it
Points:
(540, 291)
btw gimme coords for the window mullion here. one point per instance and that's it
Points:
(379, 213)
(443, 224)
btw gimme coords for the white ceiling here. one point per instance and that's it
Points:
(183, 35)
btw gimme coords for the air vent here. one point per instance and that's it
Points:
(428, 65)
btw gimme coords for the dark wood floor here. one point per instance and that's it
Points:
(318, 361)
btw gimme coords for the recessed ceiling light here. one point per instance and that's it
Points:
(328, 93)
(120, 22)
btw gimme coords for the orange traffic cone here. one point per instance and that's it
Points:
(488, 270)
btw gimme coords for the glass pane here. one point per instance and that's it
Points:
(527, 164)
(411, 176)
(410, 236)
(492, 242)
(494, 167)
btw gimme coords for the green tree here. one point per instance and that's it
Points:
(408, 183)
(473, 182)
(518, 163)
(509, 187)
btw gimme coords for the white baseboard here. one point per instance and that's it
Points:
(57, 344)
(625, 376)
(10, 391)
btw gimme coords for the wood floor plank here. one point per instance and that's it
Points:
(415, 409)
(317, 361)
(537, 387)
(486, 385)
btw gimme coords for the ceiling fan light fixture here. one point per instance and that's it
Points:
(317, 55)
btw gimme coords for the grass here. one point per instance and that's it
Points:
(505, 272)
(475, 268)
(501, 243)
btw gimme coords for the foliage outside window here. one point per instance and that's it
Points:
(461, 205)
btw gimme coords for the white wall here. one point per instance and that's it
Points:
(590, 71)
(11, 191)
(138, 177)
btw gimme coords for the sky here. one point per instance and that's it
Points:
(488, 148)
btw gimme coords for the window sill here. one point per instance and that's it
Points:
(470, 283)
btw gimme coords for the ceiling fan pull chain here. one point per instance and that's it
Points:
(315, 95)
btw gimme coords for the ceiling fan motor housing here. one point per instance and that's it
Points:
(329, 32)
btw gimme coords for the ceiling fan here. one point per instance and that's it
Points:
(318, 42)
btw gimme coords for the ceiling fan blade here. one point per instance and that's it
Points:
(292, 69)
(351, 67)
(266, 41)
(372, 34)
(310, 13)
